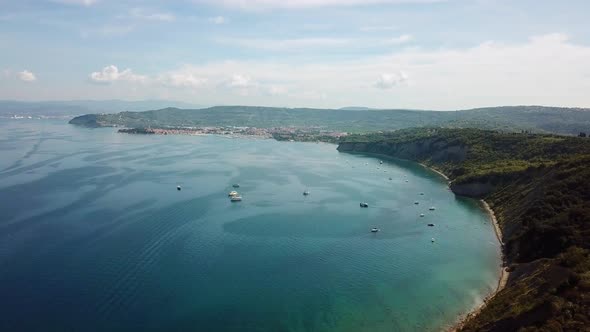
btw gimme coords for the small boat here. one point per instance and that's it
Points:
(407, 181)
(235, 198)
(390, 179)
(179, 188)
(421, 194)
(421, 214)
(432, 208)
(380, 162)
(364, 205)
(374, 230)
(233, 193)
(236, 185)
(416, 202)
(432, 240)
(305, 193)
(431, 225)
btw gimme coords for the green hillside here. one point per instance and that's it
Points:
(517, 118)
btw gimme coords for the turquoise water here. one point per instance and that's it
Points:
(94, 236)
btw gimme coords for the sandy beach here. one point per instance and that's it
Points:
(503, 273)
(436, 171)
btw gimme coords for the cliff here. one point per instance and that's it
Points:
(539, 188)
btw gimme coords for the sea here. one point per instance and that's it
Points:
(95, 236)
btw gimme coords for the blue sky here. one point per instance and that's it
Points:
(428, 54)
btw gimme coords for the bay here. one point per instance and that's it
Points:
(94, 236)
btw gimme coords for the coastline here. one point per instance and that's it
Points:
(504, 274)
(436, 171)
(502, 281)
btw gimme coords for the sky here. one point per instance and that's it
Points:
(415, 54)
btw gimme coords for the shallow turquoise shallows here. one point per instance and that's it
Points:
(95, 236)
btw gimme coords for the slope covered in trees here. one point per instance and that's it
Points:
(530, 118)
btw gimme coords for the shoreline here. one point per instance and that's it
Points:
(502, 281)
(504, 274)
(436, 171)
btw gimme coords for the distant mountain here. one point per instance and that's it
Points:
(540, 119)
(78, 107)
(357, 108)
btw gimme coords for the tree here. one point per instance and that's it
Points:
(582, 134)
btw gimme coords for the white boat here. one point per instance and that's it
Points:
(233, 193)
(236, 198)
(380, 162)
(421, 214)
(305, 193)
(432, 208)
(374, 230)
(416, 202)
(178, 188)
(432, 240)
(364, 205)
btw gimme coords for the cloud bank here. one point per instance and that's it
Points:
(490, 73)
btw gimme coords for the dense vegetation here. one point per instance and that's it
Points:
(531, 118)
(539, 187)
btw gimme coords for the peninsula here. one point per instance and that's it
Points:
(540, 119)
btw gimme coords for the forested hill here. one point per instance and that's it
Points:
(539, 188)
(541, 119)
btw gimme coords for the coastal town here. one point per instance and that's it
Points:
(306, 134)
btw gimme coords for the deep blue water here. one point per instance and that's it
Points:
(94, 236)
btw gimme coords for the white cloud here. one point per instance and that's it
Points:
(86, 3)
(111, 74)
(388, 81)
(549, 69)
(399, 40)
(300, 4)
(218, 20)
(244, 85)
(27, 76)
(182, 80)
(143, 14)
(275, 90)
(240, 81)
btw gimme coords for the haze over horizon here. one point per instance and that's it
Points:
(418, 54)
